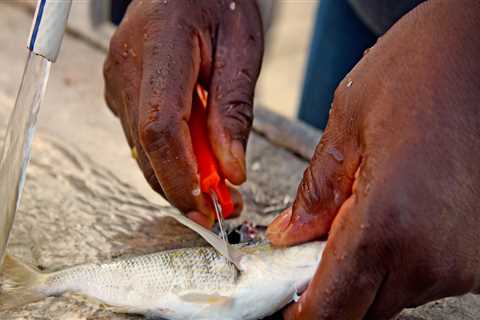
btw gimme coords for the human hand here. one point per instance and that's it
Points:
(395, 180)
(161, 50)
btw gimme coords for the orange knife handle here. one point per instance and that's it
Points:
(210, 176)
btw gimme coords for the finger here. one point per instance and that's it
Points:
(348, 278)
(390, 300)
(165, 103)
(202, 219)
(208, 221)
(326, 183)
(236, 66)
(122, 83)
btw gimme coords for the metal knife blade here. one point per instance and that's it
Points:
(218, 211)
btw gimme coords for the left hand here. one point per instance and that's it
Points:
(395, 180)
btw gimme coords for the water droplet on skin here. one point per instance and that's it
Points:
(336, 197)
(124, 54)
(367, 188)
(233, 5)
(165, 1)
(349, 83)
(331, 109)
(366, 52)
(196, 192)
(336, 154)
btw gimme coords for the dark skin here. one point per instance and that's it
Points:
(161, 50)
(395, 181)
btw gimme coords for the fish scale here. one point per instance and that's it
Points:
(181, 270)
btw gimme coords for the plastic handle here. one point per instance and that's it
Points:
(48, 28)
(210, 176)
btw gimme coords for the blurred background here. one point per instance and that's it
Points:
(280, 85)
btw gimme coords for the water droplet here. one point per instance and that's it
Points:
(165, 1)
(256, 166)
(124, 54)
(132, 53)
(367, 188)
(349, 83)
(125, 45)
(337, 197)
(233, 5)
(366, 51)
(336, 154)
(196, 192)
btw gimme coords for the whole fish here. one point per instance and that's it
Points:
(190, 283)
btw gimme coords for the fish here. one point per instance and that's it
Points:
(188, 283)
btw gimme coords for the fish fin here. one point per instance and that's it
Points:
(204, 298)
(18, 284)
(215, 241)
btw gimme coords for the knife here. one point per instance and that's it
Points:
(212, 182)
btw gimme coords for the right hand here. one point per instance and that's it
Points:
(158, 54)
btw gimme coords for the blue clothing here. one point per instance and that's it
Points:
(343, 30)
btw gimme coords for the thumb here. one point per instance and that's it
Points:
(326, 184)
(348, 278)
(237, 60)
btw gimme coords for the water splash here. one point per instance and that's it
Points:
(18, 142)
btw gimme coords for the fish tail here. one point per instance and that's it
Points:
(19, 284)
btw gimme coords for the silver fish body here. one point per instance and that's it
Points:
(191, 283)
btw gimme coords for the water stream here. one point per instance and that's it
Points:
(18, 141)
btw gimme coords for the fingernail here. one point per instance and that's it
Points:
(201, 219)
(237, 202)
(280, 224)
(238, 153)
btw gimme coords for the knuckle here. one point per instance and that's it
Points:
(238, 118)
(311, 191)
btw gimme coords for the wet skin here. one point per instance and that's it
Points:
(395, 180)
(161, 50)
